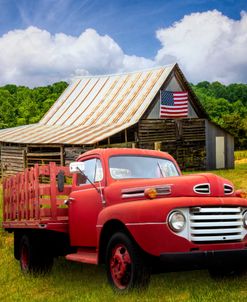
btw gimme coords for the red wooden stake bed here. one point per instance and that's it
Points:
(29, 203)
(130, 209)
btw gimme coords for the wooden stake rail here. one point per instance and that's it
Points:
(26, 199)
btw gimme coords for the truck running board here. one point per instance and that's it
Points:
(84, 255)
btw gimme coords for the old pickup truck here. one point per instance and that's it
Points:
(129, 209)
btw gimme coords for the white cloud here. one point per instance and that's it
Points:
(208, 46)
(34, 57)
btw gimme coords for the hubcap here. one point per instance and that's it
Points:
(120, 266)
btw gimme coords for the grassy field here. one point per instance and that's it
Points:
(76, 282)
(242, 154)
(238, 175)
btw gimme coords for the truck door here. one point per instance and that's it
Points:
(85, 204)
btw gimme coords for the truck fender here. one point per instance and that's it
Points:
(133, 218)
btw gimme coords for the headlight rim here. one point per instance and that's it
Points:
(170, 222)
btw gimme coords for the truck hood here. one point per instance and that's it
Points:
(196, 185)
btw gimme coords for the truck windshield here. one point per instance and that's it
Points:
(127, 166)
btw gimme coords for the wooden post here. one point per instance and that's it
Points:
(24, 153)
(31, 193)
(5, 200)
(157, 146)
(36, 192)
(61, 156)
(22, 190)
(18, 195)
(53, 185)
(126, 135)
(11, 198)
(26, 197)
(8, 200)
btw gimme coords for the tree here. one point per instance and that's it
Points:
(227, 106)
(20, 105)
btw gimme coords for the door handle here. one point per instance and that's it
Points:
(68, 201)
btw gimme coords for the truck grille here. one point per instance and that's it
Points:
(216, 224)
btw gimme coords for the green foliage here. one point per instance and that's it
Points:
(226, 106)
(7, 110)
(21, 105)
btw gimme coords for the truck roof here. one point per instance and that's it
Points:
(130, 151)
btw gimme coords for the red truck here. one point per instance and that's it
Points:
(129, 209)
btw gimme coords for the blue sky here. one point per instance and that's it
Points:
(132, 25)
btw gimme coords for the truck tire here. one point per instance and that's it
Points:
(34, 257)
(17, 238)
(126, 265)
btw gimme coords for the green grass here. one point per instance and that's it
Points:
(240, 154)
(238, 176)
(76, 282)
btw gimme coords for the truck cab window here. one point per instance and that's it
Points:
(93, 170)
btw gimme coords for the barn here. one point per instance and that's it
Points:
(120, 110)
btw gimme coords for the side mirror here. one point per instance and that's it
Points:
(76, 167)
(60, 181)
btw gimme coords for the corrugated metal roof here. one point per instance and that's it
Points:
(93, 108)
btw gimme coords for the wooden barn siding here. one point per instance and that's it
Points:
(43, 154)
(15, 158)
(184, 139)
(12, 159)
(72, 152)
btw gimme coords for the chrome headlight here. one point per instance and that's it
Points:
(245, 219)
(177, 221)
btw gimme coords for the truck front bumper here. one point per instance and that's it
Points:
(204, 259)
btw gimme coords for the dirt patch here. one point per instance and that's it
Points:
(241, 161)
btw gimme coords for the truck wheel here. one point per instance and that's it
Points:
(33, 258)
(126, 267)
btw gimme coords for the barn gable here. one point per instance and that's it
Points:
(115, 110)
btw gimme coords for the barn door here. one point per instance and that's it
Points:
(220, 152)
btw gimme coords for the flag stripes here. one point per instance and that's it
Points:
(173, 104)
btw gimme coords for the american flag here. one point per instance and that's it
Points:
(173, 104)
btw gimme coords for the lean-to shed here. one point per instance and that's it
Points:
(119, 110)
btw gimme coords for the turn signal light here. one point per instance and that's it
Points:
(150, 193)
(241, 194)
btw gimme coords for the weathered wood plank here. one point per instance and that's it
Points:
(184, 139)
(43, 154)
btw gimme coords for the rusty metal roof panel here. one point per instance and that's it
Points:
(45, 134)
(106, 98)
(68, 93)
(93, 108)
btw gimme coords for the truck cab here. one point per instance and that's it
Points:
(107, 177)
